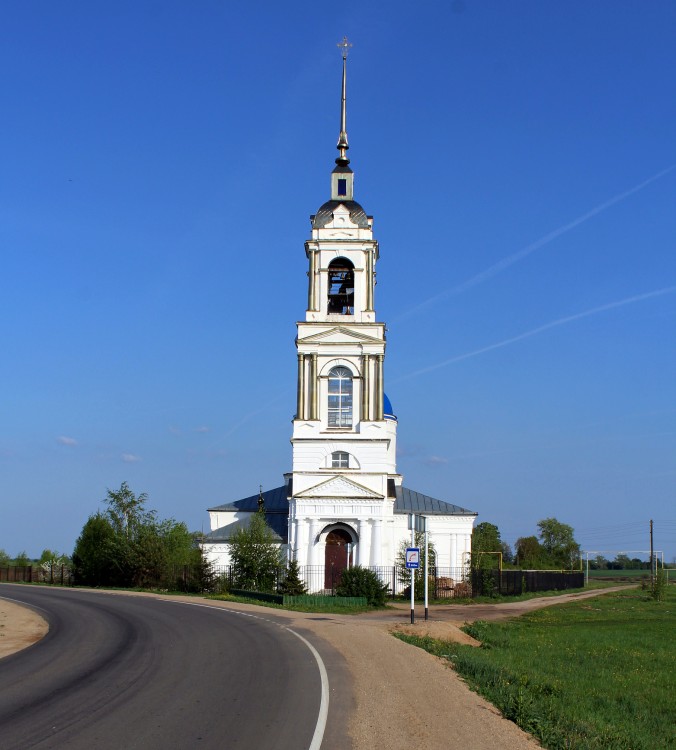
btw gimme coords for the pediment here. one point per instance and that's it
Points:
(339, 487)
(344, 233)
(341, 218)
(339, 335)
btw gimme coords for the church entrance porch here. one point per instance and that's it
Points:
(338, 555)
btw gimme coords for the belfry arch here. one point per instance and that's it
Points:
(340, 287)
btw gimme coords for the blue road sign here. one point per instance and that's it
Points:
(413, 558)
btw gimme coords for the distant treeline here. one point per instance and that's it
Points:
(620, 562)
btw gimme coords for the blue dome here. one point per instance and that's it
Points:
(388, 412)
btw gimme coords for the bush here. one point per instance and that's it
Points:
(659, 586)
(358, 581)
(293, 585)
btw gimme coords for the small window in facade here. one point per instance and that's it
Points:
(340, 460)
(340, 397)
(342, 187)
(341, 287)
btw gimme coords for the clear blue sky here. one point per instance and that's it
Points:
(159, 164)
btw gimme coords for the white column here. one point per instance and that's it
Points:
(314, 388)
(313, 547)
(468, 548)
(301, 537)
(364, 548)
(292, 535)
(455, 563)
(376, 542)
(365, 388)
(378, 406)
(300, 388)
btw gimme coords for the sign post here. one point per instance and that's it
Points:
(412, 562)
(423, 520)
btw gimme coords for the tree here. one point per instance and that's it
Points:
(4, 559)
(128, 546)
(485, 540)
(559, 543)
(51, 562)
(52, 557)
(599, 563)
(95, 562)
(507, 554)
(293, 584)
(404, 574)
(22, 560)
(528, 553)
(126, 511)
(205, 576)
(162, 550)
(256, 556)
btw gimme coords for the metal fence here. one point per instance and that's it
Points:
(443, 583)
(58, 575)
(514, 582)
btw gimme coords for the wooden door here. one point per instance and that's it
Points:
(335, 556)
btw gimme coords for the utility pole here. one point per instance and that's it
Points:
(652, 569)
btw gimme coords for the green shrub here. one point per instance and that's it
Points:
(293, 584)
(659, 586)
(358, 581)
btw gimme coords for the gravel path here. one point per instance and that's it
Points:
(403, 697)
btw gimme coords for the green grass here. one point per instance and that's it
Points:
(498, 598)
(334, 610)
(637, 574)
(590, 675)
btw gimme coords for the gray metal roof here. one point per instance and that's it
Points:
(277, 510)
(278, 522)
(325, 214)
(410, 501)
(276, 514)
(275, 501)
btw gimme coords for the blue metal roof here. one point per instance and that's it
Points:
(388, 411)
(410, 501)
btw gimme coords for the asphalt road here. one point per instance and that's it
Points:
(136, 672)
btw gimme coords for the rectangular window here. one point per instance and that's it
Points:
(342, 187)
(340, 460)
(340, 398)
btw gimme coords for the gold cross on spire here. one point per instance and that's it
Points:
(344, 47)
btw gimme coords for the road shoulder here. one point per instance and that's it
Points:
(20, 627)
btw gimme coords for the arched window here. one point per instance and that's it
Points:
(341, 287)
(340, 460)
(340, 397)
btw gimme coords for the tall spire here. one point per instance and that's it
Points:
(343, 146)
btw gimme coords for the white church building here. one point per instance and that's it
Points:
(343, 502)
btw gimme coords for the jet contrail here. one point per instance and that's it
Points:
(251, 414)
(511, 259)
(540, 329)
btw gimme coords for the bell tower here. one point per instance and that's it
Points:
(343, 503)
(344, 440)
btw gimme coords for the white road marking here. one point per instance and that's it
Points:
(318, 736)
(25, 604)
(322, 717)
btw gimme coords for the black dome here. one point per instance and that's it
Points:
(325, 214)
